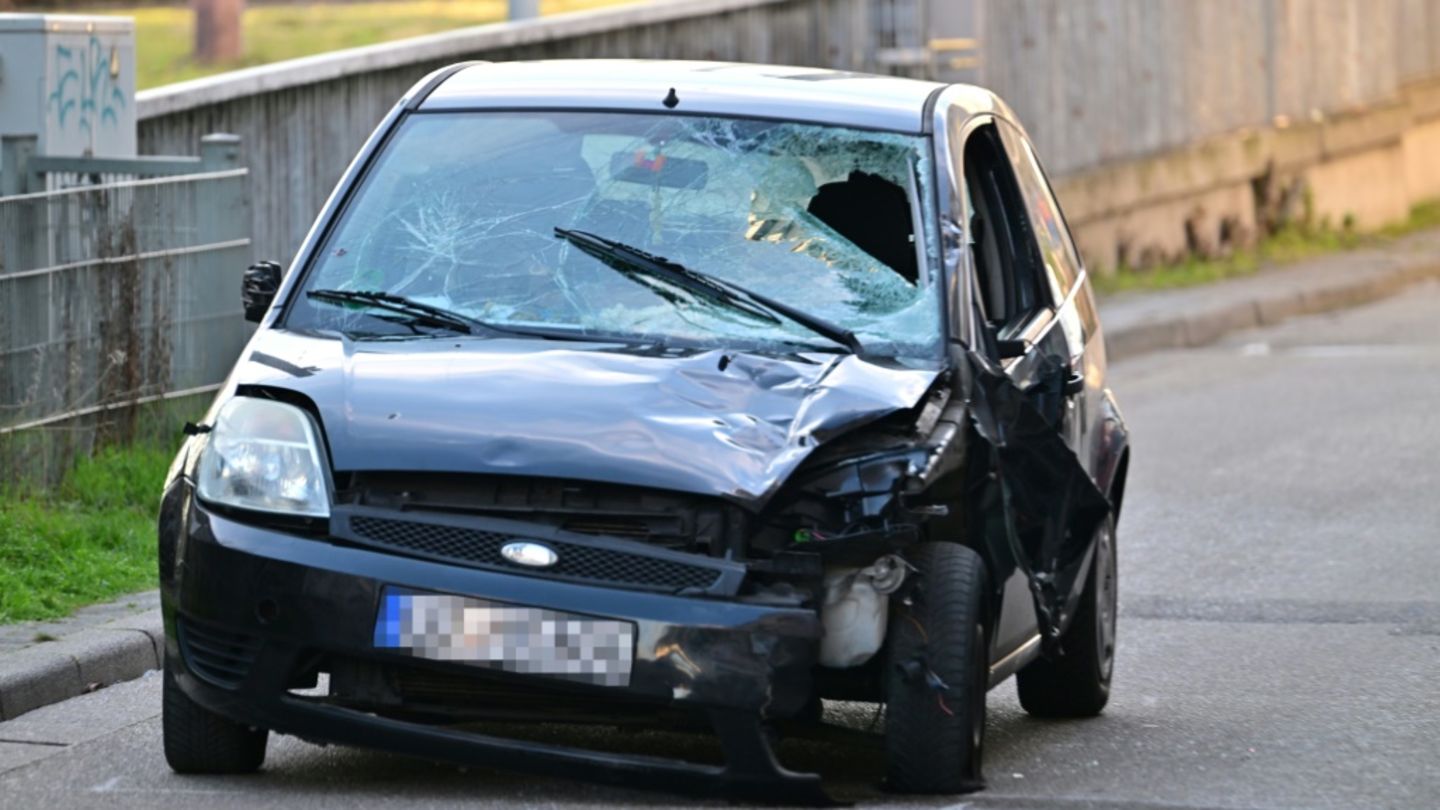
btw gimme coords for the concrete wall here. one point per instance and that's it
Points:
(1097, 81)
(1368, 166)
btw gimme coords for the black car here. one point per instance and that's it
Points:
(662, 393)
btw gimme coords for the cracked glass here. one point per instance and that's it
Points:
(460, 212)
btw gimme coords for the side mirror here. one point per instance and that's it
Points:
(257, 289)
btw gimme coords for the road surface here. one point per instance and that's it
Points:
(1279, 638)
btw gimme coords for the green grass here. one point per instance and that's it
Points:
(90, 539)
(163, 34)
(1291, 244)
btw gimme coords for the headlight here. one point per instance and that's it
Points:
(264, 455)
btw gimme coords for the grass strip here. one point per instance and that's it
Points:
(164, 35)
(88, 540)
(1291, 244)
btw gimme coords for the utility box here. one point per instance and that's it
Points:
(69, 81)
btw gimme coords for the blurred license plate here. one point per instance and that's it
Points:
(506, 637)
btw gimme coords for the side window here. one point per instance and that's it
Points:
(1062, 262)
(1007, 262)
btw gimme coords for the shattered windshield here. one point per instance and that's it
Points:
(461, 213)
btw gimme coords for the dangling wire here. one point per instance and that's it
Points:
(924, 637)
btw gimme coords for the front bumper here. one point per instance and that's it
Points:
(281, 602)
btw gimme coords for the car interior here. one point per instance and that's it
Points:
(1007, 261)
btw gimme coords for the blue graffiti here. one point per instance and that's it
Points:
(83, 86)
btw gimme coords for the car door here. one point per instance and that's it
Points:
(1014, 308)
(1027, 308)
(1064, 275)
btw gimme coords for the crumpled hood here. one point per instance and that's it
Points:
(714, 423)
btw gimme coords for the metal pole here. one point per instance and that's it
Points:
(24, 236)
(15, 153)
(524, 9)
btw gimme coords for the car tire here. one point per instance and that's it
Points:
(935, 736)
(200, 741)
(1076, 683)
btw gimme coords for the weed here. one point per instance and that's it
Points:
(1290, 244)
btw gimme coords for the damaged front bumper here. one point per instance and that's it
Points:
(251, 613)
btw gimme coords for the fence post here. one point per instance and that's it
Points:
(22, 224)
(863, 39)
(222, 210)
(219, 151)
(221, 204)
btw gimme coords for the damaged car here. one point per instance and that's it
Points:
(663, 393)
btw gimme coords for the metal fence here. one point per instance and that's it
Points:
(113, 295)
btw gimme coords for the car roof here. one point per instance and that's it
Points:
(715, 88)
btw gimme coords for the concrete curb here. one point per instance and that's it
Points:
(1204, 315)
(52, 671)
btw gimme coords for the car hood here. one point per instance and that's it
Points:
(714, 422)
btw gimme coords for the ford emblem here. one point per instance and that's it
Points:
(533, 555)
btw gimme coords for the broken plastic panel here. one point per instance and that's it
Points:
(461, 208)
(1049, 507)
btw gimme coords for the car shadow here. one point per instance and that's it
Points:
(846, 749)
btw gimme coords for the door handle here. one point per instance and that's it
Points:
(1012, 348)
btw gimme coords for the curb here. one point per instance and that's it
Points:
(1273, 297)
(52, 671)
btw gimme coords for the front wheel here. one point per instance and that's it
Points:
(1076, 683)
(198, 740)
(936, 675)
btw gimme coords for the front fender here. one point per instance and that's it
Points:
(1112, 451)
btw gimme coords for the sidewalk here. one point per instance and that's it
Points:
(1140, 322)
(121, 640)
(47, 662)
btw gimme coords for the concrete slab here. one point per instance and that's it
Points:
(88, 716)
(46, 672)
(36, 676)
(106, 656)
(13, 755)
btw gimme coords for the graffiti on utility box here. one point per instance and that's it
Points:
(85, 92)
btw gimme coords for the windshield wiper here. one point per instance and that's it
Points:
(430, 315)
(420, 313)
(628, 259)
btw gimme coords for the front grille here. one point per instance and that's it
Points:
(221, 657)
(481, 549)
(665, 519)
(609, 527)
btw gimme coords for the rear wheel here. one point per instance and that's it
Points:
(1076, 683)
(198, 740)
(936, 675)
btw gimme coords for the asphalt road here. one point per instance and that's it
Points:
(1279, 638)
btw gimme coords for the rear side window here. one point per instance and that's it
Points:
(1062, 262)
(1008, 265)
